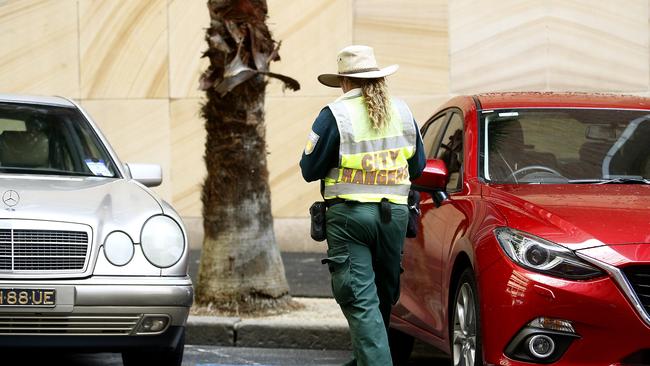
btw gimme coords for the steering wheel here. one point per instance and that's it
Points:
(533, 167)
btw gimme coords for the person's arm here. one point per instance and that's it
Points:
(322, 151)
(419, 159)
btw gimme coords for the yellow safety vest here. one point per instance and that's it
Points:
(372, 163)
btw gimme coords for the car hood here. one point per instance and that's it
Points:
(578, 216)
(102, 203)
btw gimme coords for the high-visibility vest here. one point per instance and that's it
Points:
(372, 163)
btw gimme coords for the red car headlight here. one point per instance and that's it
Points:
(543, 256)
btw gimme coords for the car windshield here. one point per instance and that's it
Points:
(563, 146)
(39, 139)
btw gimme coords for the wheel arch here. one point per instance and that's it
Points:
(461, 262)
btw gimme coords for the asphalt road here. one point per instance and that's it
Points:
(210, 356)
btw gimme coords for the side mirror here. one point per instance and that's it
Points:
(148, 174)
(434, 177)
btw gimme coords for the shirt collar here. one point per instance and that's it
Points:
(352, 93)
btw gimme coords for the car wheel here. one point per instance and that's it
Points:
(465, 326)
(401, 346)
(158, 357)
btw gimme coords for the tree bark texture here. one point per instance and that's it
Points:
(241, 269)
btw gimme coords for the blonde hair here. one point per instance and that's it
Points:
(377, 100)
(375, 94)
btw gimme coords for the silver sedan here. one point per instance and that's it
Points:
(90, 258)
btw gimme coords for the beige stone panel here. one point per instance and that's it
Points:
(138, 131)
(598, 45)
(423, 106)
(187, 150)
(123, 49)
(289, 120)
(312, 32)
(412, 34)
(188, 20)
(39, 47)
(471, 22)
(497, 45)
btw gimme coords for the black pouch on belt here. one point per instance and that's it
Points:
(385, 210)
(414, 214)
(317, 213)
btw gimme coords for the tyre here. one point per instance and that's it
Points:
(401, 346)
(465, 324)
(158, 357)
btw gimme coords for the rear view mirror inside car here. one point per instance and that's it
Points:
(601, 132)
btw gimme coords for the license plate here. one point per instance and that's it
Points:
(27, 297)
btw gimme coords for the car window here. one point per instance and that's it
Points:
(431, 133)
(37, 139)
(450, 151)
(563, 145)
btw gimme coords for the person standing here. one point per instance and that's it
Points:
(364, 147)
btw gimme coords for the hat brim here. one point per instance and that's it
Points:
(334, 80)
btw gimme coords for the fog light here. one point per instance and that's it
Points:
(542, 341)
(541, 346)
(553, 324)
(118, 248)
(153, 324)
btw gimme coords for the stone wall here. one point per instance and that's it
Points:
(134, 65)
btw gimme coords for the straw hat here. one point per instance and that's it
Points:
(356, 62)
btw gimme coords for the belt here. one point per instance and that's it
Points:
(335, 201)
(384, 205)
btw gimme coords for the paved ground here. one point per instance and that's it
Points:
(211, 356)
(307, 278)
(306, 275)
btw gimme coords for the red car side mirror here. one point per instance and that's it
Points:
(435, 175)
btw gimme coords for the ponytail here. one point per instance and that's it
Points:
(375, 94)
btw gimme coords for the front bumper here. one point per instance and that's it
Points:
(609, 328)
(169, 339)
(99, 312)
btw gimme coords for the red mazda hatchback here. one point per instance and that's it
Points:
(534, 233)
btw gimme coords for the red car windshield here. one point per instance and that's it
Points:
(50, 140)
(558, 146)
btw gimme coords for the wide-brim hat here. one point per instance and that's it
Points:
(356, 62)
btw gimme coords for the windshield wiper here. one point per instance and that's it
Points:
(619, 180)
(622, 180)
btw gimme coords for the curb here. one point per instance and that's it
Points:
(265, 333)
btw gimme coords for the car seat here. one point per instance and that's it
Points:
(24, 149)
(509, 153)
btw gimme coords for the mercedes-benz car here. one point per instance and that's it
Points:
(534, 234)
(90, 258)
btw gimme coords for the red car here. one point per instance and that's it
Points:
(534, 234)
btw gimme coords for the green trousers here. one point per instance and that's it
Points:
(364, 261)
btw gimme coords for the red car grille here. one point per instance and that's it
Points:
(639, 278)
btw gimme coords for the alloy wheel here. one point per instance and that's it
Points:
(464, 332)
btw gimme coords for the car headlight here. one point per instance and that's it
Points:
(162, 241)
(543, 256)
(118, 248)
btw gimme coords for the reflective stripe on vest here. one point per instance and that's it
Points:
(372, 164)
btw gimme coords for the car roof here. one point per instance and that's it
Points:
(561, 100)
(36, 99)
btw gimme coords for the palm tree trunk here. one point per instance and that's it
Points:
(241, 269)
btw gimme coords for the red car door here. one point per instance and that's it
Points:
(423, 297)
